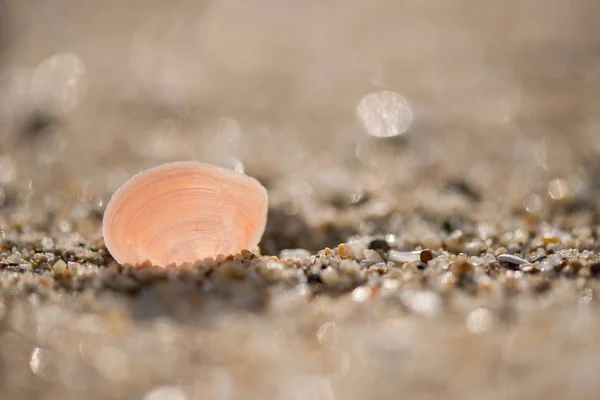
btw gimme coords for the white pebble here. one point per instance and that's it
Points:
(404, 256)
(372, 255)
(512, 259)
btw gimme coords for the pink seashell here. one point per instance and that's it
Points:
(183, 212)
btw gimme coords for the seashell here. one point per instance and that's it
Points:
(183, 212)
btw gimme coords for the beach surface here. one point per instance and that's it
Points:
(433, 175)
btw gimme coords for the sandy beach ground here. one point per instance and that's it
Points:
(407, 146)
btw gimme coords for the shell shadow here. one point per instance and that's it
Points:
(286, 231)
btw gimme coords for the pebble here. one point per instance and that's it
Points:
(330, 277)
(404, 256)
(345, 251)
(358, 247)
(373, 256)
(12, 259)
(351, 268)
(553, 262)
(379, 244)
(426, 256)
(512, 259)
(59, 268)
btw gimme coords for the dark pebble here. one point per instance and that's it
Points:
(426, 256)
(379, 244)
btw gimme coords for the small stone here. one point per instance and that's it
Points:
(575, 265)
(512, 260)
(373, 256)
(379, 244)
(553, 262)
(345, 251)
(247, 255)
(404, 256)
(273, 272)
(13, 259)
(59, 268)
(350, 268)
(426, 256)
(330, 277)
(358, 247)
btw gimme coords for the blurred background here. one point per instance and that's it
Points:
(502, 96)
(383, 117)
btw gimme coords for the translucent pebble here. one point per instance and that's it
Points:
(404, 256)
(384, 114)
(59, 267)
(373, 256)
